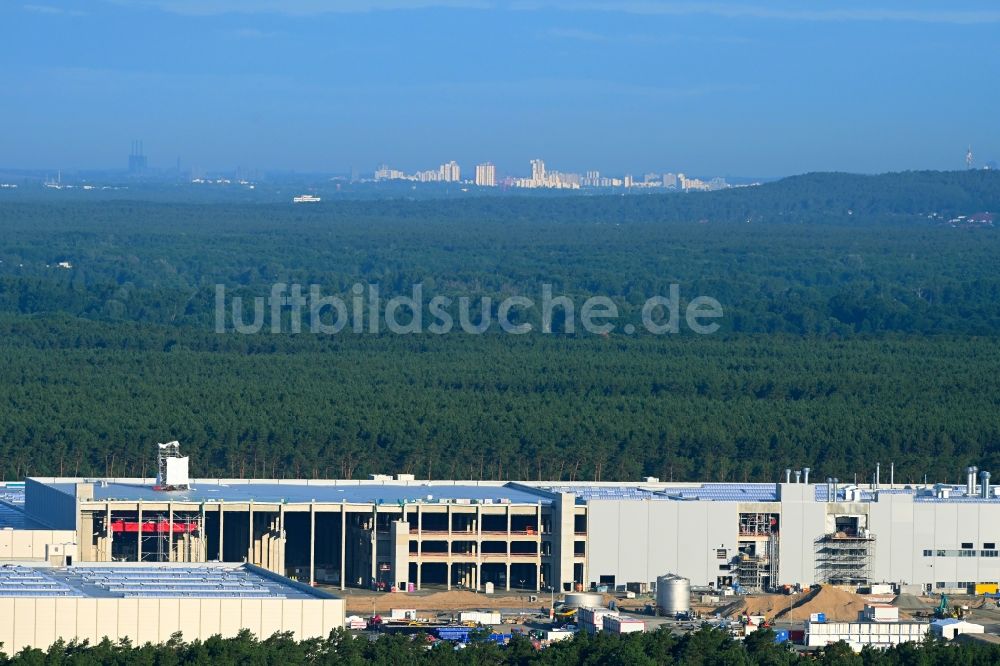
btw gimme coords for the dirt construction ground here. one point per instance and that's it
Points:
(838, 605)
(365, 602)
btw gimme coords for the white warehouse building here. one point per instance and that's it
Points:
(531, 535)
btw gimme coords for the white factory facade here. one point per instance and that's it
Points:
(407, 533)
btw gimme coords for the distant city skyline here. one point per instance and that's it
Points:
(758, 90)
(541, 177)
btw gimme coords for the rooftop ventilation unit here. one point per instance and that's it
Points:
(172, 468)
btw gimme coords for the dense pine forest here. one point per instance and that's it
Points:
(706, 647)
(859, 326)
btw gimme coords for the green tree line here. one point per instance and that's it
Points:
(705, 647)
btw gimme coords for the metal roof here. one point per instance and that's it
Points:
(121, 581)
(712, 492)
(957, 495)
(277, 493)
(12, 509)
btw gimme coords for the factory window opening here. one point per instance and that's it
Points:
(758, 524)
(463, 547)
(989, 545)
(435, 547)
(434, 523)
(721, 554)
(463, 522)
(966, 545)
(523, 577)
(522, 548)
(928, 553)
(523, 525)
(494, 547)
(606, 580)
(848, 525)
(494, 523)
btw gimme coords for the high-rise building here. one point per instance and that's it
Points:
(385, 173)
(486, 175)
(538, 172)
(450, 172)
(137, 158)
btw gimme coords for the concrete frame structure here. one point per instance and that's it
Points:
(530, 535)
(339, 533)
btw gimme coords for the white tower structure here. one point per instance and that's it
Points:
(171, 467)
(538, 172)
(486, 175)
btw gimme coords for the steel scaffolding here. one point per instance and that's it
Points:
(757, 564)
(843, 559)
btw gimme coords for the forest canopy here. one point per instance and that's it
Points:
(859, 325)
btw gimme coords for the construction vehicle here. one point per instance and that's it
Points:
(943, 611)
(566, 615)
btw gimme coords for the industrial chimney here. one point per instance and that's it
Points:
(970, 481)
(985, 478)
(805, 473)
(788, 476)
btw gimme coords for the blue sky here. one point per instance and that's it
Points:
(755, 88)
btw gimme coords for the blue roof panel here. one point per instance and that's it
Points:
(209, 491)
(161, 581)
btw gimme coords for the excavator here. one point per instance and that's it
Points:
(943, 611)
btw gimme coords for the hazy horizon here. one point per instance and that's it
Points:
(765, 90)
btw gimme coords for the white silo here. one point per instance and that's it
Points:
(673, 594)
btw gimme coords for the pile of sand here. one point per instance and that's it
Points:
(838, 605)
(767, 605)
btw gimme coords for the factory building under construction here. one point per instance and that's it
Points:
(406, 533)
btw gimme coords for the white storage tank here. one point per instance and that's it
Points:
(583, 600)
(673, 594)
